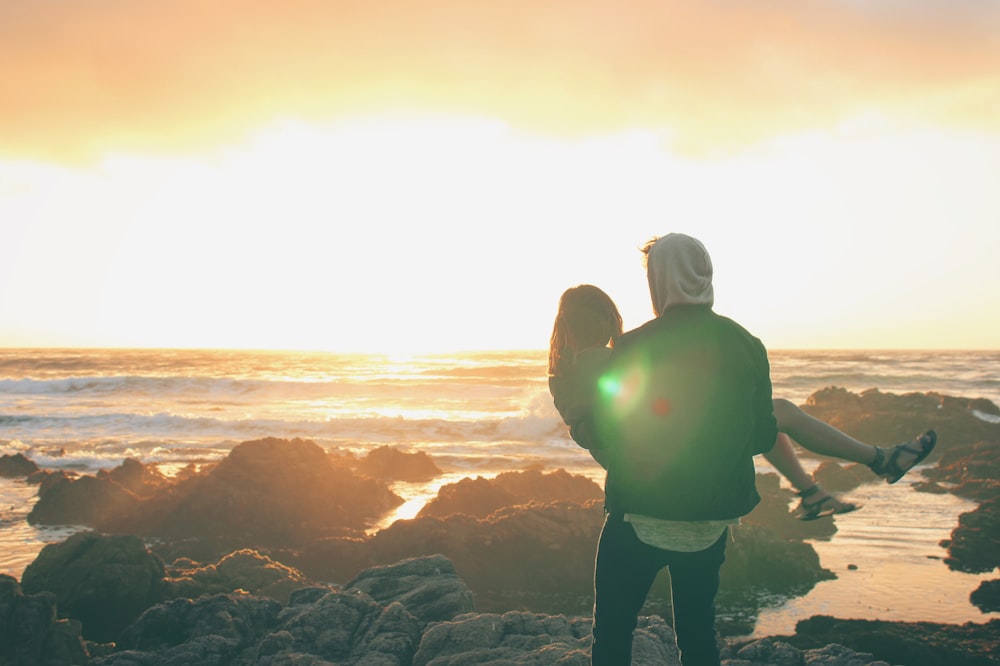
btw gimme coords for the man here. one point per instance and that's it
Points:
(685, 406)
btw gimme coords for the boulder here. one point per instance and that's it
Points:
(14, 466)
(142, 480)
(30, 634)
(986, 597)
(270, 492)
(885, 419)
(924, 643)
(480, 496)
(974, 546)
(428, 587)
(391, 464)
(100, 503)
(105, 582)
(244, 569)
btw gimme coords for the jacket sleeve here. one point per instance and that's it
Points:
(765, 423)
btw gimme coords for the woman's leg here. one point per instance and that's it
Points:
(820, 437)
(816, 502)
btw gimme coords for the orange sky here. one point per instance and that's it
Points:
(432, 174)
(81, 78)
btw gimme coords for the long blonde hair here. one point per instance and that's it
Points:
(587, 317)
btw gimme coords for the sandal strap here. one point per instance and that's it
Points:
(878, 465)
(808, 492)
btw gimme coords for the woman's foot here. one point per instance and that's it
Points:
(817, 503)
(900, 459)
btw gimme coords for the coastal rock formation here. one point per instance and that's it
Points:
(429, 587)
(272, 491)
(886, 419)
(391, 464)
(244, 569)
(916, 643)
(15, 466)
(30, 634)
(104, 582)
(480, 497)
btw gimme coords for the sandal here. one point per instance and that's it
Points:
(821, 508)
(890, 468)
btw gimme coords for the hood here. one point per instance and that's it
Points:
(679, 271)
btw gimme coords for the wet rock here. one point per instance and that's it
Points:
(391, 464)
(885, 419)
(244, 569)
(480, 496)
(839, 478)
(270, 492)
(30, 634)
(96, 502)
(142, 480)
(211, 630)
(923, 643)
(974, 470)
(986, 597)
(15, 466)
(514, 637)
(104, 582)
(974, 546)
(428, 587)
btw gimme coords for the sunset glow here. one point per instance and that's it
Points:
(430, 176)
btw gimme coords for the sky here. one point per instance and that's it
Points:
(430, 175)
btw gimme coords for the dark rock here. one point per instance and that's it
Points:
(105, 582)
(142, 480)
(907, 643)
(271, 492)
(220, 629)
(986, 597)
(885, 419)
(30, 634)
(481, 497)
(87, 500)
(516, 637)
(391, 464)
(974, 546)
(428, 587)
(836, 477)
(13, 466)
(244, 569)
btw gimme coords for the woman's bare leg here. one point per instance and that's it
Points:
(816, 502)
(818, 436)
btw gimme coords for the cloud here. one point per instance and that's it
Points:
(79, 79)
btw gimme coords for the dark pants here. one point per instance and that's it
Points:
(626, 568)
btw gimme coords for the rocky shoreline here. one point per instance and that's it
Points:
(263, 559)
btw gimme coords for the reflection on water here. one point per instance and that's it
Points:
(889, 564)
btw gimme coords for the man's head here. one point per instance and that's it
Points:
(679, 271)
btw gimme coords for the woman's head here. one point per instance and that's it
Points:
(587, 317)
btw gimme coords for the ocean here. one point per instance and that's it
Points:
(476, 414)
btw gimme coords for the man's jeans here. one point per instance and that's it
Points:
(626, 568)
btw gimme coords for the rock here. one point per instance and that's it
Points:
(30, 634)
(885, 419)
(428, 587)
(13, 466)
(923, 643)
(480, 496)
(105, 582)
(271, 492)
(142, 480)
(973, 469)
(515, 637)
(95, 502)
(216, 629)
(839, 478)
(986, 597)
(244, 569)
(391, 464)
(974, 546)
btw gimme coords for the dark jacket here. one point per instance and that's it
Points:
(685, 406)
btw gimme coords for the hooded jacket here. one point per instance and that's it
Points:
(690, 400)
